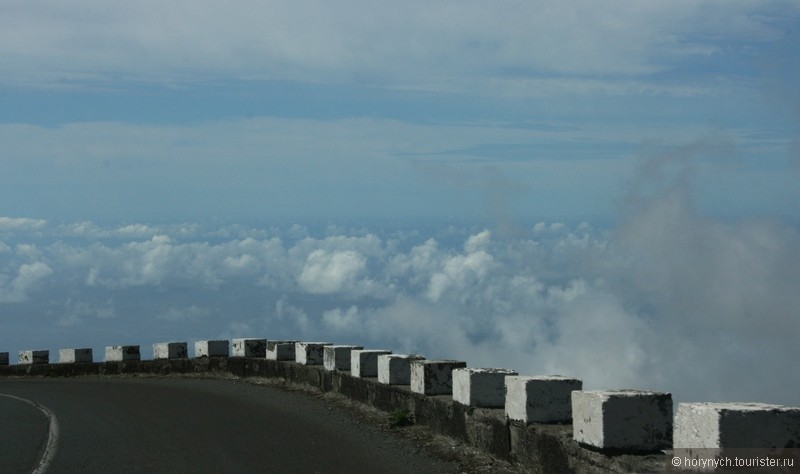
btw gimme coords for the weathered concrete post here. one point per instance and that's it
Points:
(337, 357)
(395, 369)
(626, 420)
(736, 425)
(281, 350)
(310, 353)
(244, 347)
(364, 363)
(75, 356)
(433, 377)
(170, 350)
(34, 357)
(543, 399)
(122, 353)
(480, 387)
(219, 348)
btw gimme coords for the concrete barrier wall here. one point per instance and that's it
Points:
(587, 431)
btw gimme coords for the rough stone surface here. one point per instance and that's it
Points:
(310, 353)
(480, 387)
(736, 425)
(434, 377)
(73, 356)
(337, 357)
(624, 420)
(549, 448)
(364, 362)
(540, 399)
(3, 358)
(34, 357)
(281, 350)
(219, 348)
(122, 353)
(395, 369)
(170, 350)
(243, 347)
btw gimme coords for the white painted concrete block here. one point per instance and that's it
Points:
(395, 369)
(364, 362)
(170, 350)
(219, 348)
(244, 347)
(628, 420)
(34, 357)
(74, 356)
(480, 387)
(433, 377)
(310, 353)
(3, 358)
(542, 399)
(122, 353)
(281, 350)
(337, 357)
(736, 425)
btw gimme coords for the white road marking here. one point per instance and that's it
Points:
(52, 439)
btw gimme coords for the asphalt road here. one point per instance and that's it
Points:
(176, 425)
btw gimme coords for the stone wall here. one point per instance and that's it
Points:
(545, 423)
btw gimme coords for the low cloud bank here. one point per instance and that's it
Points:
(668, 300)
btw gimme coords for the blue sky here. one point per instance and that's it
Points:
(605, 190)
(310, 110)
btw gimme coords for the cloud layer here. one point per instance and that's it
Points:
(669, 300)
(411, 44)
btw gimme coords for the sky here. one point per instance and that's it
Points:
(604, 190)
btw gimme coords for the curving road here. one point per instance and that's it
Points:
(189, 425)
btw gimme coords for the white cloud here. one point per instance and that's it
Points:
(137, 230)
(164, 260)
(27, 279)
(417, 264)
(84, 229)
(191, 313)
(600, 339)
(290, 318)
(238, 329)
(541, 228)
(460, 272)
(331, 272)
(21, 223)
(669, 300)
(28, 251)
(342, 321)
(722, 289)
(477, 242)
(409, 44)
(153, 260)
(241, 262)
(76, 312)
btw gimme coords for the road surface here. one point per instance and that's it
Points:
(176, 425)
